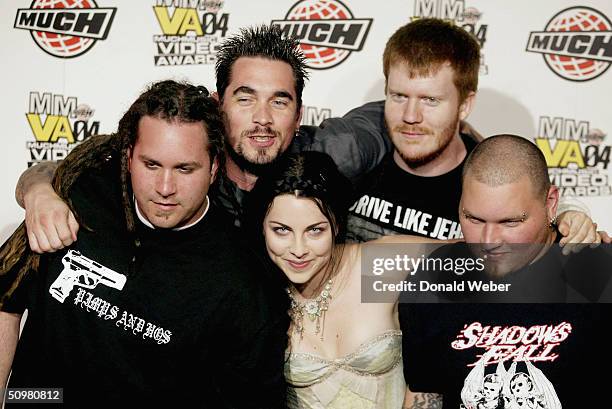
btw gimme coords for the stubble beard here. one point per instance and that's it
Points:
(442, 141)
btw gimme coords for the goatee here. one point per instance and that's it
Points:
(254, 168)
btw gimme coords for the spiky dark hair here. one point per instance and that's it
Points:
(261, 41)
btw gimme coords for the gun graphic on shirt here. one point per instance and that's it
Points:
(83, 272)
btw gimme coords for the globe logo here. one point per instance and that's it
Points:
(576, 44)
(326, 30)
(321, 57)
(577, 19)
(57, 44)
(65, 28)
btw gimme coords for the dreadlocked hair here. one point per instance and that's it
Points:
(168, 100)
(171, 101)
(16, 257)
(264, 41)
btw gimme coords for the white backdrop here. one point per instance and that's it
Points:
(519, 92)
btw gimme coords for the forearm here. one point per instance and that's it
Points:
(418, 400)
(9, 335)
(357, 142)
(567, 203)
(36, 175)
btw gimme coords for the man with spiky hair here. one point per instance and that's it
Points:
(159, 302)
(260, 78)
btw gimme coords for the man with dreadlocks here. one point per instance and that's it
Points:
(157, 288)
(260, 79)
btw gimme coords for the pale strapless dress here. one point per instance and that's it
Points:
(370, 378)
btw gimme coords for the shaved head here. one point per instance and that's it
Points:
(507, 199)
(503, 159)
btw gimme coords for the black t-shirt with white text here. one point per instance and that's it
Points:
(153, 318)
(392, 201)
(520, 355)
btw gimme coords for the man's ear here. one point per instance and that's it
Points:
(552, 200)
(467, 105)
(214, 95)
(213, 170)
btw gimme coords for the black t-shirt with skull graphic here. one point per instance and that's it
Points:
(565, 345)
(528, 355)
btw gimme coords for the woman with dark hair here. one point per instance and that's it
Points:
(343, 353)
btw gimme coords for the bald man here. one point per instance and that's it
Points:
(507, 199)
(506, 212)
(508, 208)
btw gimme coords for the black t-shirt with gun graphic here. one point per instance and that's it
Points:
(160, 317)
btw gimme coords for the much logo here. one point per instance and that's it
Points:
(58, 124)
(191, 32)
(576, 43)
(65, 28)
(463, 16)
(576, 156)
(327, 31)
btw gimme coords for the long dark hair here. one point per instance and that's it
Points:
(310, 175)
(169, 100)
